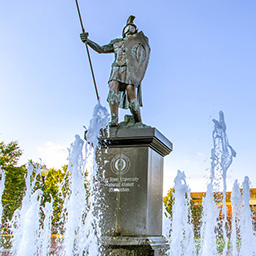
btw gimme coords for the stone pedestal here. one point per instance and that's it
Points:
(133, 187)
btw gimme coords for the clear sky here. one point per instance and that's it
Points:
(203, 60)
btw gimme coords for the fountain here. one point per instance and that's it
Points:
(122, 212)
(84, 229)
(182, 237)
(2, 181)
(215, 231)
(29, 237)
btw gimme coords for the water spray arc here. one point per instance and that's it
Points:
(82, 228)
(236, 237)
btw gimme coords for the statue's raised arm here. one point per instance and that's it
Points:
(128, 69)
(100, 49)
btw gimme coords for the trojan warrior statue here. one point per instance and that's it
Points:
(127, 71)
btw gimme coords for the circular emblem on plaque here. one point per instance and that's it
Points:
(120, 164)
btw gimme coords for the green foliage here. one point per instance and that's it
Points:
(55, 187)
(55, 180)
(168, 201)
(196, 212)
(9, 154)
(14, 190)
(14, 182)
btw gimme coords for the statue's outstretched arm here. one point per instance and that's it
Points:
(100, 49)
(108, 48)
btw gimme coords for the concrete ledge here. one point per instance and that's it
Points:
(137, 246)
(133, 240)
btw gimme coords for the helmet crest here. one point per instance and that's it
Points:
(129, 22)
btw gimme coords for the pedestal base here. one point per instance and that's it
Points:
(132, 188)
(135, 246)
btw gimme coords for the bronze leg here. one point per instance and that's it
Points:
(133, 105)
(113, 99)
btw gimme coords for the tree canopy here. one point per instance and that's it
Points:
(9, 154)
(14, 181)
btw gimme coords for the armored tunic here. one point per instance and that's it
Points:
(119, 71)
(119, 66)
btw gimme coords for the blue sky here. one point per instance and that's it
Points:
(203, 60)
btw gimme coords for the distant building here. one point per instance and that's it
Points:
(197, 198)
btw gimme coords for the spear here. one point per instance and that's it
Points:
(87, 49)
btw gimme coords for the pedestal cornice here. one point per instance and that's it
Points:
(151, 137)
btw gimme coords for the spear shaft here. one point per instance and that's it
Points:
(88, 53)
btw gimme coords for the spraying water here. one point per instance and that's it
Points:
(99, 121)
(248, 240)
(221, 158)
(224, 156)
(209, 221)
(2, 181)
(92, 227)
(25, 224)
(242, 239)
(45, 232)
(182, 236)
(75, 201)
(236, 206)
(82, 215)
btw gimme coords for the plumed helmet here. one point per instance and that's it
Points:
(129, 23)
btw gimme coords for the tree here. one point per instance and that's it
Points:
(14, 181)
(9, 154)
(196, 212)
(54, 188)
(168, 201)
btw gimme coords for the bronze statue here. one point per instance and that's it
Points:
(127, 71)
